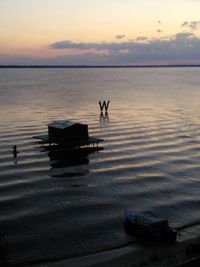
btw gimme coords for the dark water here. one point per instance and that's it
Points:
(151, 157)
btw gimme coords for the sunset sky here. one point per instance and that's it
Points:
(99, 32)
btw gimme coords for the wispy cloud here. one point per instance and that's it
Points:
(120, 36)
(141, 38)
(185, 37)
(191, 25)
(181, 46)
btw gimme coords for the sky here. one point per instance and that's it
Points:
(99, 32)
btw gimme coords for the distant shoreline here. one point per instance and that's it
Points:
(91, 66)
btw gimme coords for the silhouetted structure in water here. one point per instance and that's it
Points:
(104, 111)
(68, 134)
(104, 105)
(15, 151)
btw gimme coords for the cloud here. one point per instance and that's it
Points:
(70, 45)
(181, 46)
(192, 25)
(120, 36)
(85, 46)
(183, 38)
(184, 35)
(102, 46)
(141, 38)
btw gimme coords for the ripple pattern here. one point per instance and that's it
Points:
(53, 208)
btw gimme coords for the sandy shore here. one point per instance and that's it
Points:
(184, 253)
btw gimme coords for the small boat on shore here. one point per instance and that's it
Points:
(149, 226)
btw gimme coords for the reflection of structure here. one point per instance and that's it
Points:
(15, 152)
(70, 157)
(104, 118)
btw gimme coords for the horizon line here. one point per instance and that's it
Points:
(98, 66)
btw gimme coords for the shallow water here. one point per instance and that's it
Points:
(151, 157)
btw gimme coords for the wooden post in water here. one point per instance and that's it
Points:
(15, 151)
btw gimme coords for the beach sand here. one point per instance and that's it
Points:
(184, 253)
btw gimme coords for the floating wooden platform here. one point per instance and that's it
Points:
(76, 144)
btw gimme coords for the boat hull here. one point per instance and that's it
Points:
(157, 231)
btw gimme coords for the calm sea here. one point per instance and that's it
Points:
(51, 208)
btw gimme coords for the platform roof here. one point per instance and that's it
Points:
(61, 124)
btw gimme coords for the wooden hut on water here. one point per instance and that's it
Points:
(68, 134)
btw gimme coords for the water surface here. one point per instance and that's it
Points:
(51, 209)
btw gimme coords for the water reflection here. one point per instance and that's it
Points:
(15, 152)
(104, 118)
(65, 162)
(146, 165)
(64, 158)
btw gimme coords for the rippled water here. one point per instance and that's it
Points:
(52, 209)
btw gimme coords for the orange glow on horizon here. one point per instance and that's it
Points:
(29, 27)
